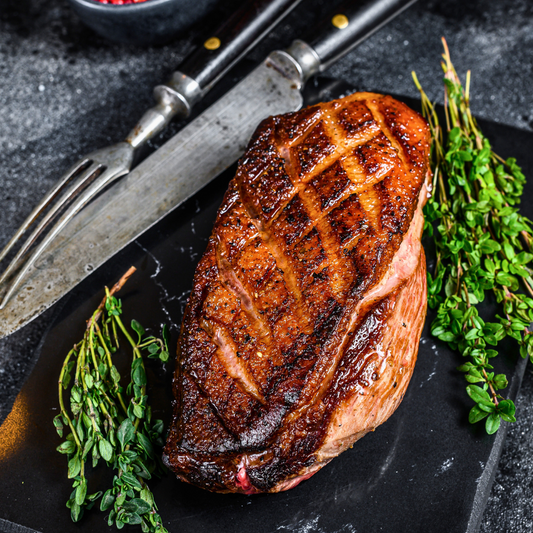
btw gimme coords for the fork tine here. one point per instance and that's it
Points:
(50, 195)
(77, 185)
(107, 177)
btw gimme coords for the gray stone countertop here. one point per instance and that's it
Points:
(65, 91)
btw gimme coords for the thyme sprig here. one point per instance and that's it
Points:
(483, 244)
(111, 422)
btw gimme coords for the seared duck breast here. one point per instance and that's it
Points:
(302, 328)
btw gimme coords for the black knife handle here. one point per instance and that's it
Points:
(234, 38)
(349, 24)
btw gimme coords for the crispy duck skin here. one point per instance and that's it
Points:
(302, 328)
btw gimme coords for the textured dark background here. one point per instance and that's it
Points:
(65, 91)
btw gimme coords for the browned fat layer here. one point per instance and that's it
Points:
(349, 220)
(307, 194)
(230, 199)
(326, 200)
(343, 144)
(314, 152)
(325, 213)
(376, 158)
(409, 129)
(311, 202)
(274, 248)
(351, 321)
(358, 175)
(355, 118)
(342, 151)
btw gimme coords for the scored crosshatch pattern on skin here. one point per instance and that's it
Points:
(312, 195)
(288, 254)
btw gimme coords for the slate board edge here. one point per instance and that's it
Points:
(10, 527)
(489, 473)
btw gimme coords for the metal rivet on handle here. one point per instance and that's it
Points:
(212, 43)
(340, 21)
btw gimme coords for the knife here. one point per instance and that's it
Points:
(191, 159)
(97, 170)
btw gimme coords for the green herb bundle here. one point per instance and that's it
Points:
(107, 421)
(483, 244)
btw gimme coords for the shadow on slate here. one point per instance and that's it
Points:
(425, 469)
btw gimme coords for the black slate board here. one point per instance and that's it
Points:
(424, 470)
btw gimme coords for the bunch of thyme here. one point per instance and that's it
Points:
(483, 244)
(110, 422)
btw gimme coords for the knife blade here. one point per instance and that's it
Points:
(189, 160)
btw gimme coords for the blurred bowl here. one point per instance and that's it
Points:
(143, 23)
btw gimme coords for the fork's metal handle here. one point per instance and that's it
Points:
(206, 65)
(171, 101)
